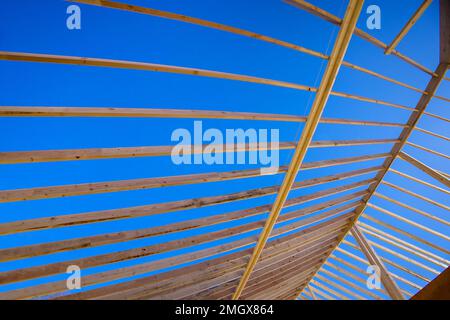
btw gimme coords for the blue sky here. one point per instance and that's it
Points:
(40, 27)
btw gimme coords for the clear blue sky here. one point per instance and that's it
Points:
(40, 27)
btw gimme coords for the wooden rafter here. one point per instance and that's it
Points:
(428, 170)
(241, 32)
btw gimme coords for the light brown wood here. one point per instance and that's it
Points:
(391, 287)
(411, 22)
(14, 111)
(154, 209)
(173, 281)
(410, 222)
(415, 145)
(404, 205)
(153, 67)
(109, 238)
(425, 183)
(413, 194)
(321, 98)
(404, 245)
(92, 261)
(234, 30)
(149, 183)
(361, 286)
(407, 234)
(433, 134)
(314, 232)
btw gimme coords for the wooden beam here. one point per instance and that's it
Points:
(161, 151)
(444, 27)
(317, 108)
(311, 292)
(432, 133)
(389, 284)
(411, 22)
(107, 112)
(428, 170)
(356, 279)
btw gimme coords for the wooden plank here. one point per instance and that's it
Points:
(321, 98)
(432, 86)
(363, 285)
(110, 275)
(354, 295)
(155, 281)
(389, 284)
(14, 111)
(411, 22)
(404, 245)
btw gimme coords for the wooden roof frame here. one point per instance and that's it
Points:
(276, 267)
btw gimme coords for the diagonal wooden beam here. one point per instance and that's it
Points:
(374, 259)
(334, 63)
(423, 167)
(411, 22)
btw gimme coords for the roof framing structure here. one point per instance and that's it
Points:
(317, 250)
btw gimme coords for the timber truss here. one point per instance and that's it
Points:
(320, 251)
